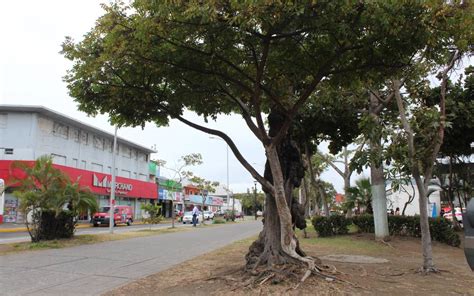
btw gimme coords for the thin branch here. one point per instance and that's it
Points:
(331, 164)
(442, 103)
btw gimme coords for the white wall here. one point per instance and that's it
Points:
(18, 131)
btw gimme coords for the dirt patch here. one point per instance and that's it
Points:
(361, 259)
(220, 273)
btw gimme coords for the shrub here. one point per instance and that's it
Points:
(332, 225)
(441, 229)
(365, 223)
(218, 220)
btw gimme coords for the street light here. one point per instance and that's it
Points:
(112, 186)
(227, 156)
(255, 199)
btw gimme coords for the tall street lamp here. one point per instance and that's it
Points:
(112, 186)
(255, 199)
(227, 190)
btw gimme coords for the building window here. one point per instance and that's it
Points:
(84, 138)
(98, 142)
(59, 159)
(126, 174)
(76, 135)
(126, 152)
(97, 167)
(108, 145)
(60, 130)
(8, 150)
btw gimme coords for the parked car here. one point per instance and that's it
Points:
(188, 217)
(122, 214)
(208, 215)
(457, 212)
(220, 213)
(228, 214)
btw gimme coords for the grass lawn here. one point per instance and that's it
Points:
(82, 240)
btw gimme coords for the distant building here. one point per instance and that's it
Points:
(397, 199)
(80, 150)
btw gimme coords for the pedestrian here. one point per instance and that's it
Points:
(391, 212)
(195, 215)
(397, 211)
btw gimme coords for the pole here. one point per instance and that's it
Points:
(233, 199)
(112, 186)
(255, 199)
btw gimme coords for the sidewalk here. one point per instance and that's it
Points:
(97, 268)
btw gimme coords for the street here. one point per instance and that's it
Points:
(94, 269)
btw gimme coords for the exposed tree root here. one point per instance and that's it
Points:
(426, 271)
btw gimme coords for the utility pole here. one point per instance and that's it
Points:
(112, 186)
(255, 199)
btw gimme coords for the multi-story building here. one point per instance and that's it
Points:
(80, 150)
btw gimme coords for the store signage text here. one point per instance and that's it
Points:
(105, 183)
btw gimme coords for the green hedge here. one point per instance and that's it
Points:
(440, 228)
(333, 225)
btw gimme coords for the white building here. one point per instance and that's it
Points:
(80, 150)
(398, 199)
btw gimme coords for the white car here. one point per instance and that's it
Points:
(188, 218)
(457, 212)
(208, 215)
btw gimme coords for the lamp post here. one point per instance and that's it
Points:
(227, 190)
(112, 186)
(255, 199)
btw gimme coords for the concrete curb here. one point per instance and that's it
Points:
(23, 229)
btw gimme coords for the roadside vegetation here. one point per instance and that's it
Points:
(49, 200)
(83, 239)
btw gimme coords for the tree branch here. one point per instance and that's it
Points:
(267, 185)
(330, 163)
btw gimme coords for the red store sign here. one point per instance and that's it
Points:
(97, 182)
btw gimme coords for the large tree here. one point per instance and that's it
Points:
(151, 60)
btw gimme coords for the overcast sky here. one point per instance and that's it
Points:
(31, 71)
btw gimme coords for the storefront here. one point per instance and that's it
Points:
(211, 203)
(130, 192)
(170, 196)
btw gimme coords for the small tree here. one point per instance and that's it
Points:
(204, 186)
(154, 214)
(359, 196)
(179, 172)
(46, 193)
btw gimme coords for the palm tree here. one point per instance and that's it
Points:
(360, 196)
(41, 189)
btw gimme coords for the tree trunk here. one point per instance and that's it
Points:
(277, 243)
(428, 264)
(379, 199)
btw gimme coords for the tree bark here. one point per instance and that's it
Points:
(277, 243)
(428, 264)
(379, 199)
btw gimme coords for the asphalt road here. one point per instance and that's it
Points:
(97, 268)
(15, 237)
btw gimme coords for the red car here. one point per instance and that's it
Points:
(122, 214)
